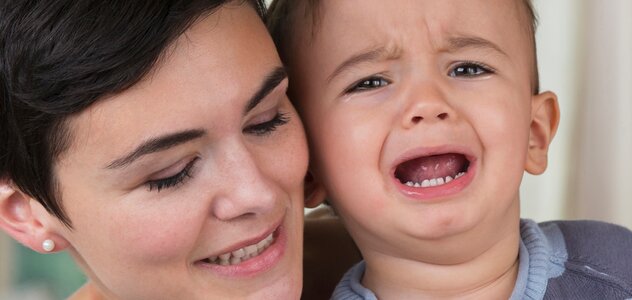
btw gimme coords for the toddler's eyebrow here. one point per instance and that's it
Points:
(460, 42)
(381, 53)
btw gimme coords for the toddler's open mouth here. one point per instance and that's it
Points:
(433, 170)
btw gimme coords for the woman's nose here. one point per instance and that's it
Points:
(246, 192)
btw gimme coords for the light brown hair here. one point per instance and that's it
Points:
(283, 15)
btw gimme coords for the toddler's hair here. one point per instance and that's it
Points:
(283, 15)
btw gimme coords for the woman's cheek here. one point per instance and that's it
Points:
(157, 239)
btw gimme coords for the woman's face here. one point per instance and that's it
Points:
(189, 184)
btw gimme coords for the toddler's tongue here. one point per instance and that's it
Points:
(429, 167)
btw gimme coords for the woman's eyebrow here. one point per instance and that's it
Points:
(161, 143)
(156, 144)
(271, 81)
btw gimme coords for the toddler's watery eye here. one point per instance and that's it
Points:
(368, 84)
(470, 69)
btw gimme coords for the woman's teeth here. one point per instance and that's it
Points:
(433, 182)
(243, 254)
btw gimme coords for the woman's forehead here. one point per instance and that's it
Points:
(214, 66)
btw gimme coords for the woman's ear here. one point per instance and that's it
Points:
(545, 117)
(24, 219)
(315, 193)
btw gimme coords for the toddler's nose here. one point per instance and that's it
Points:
(426, 105)
(418, 118)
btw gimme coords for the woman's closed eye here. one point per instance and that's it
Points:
(366, 84)
(470, 70)
(174, 180)
(265, 125)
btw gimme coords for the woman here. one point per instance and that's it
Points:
(153, 141)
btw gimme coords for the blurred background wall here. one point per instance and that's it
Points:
(584, 51)
(584, 56)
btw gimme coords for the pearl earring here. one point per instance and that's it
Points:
(48, 245)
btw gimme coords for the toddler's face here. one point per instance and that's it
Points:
(420, 116)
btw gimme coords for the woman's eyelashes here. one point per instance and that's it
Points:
(470, 69)
(368, 83)
(268, 126)
(172, 181)
(263, 128)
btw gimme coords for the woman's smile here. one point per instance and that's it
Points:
(259, 256)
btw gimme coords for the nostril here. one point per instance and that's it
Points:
(442, 116)
(417, 119)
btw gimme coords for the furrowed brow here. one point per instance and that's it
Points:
(462, 42)
(157, 144)
(378, 54)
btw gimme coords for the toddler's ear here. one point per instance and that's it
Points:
(315, 193)
(545, 117)
(24, 219)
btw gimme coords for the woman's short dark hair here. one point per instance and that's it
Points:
(59, 57)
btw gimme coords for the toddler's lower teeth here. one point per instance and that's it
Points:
(433, 182)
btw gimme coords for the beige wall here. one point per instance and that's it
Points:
(544, 197)
(584, 51)
(602, 189)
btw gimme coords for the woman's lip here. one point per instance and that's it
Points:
(261, 263)
(248, 242)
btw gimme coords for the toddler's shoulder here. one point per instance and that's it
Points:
(597, 251)
(595, 238)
